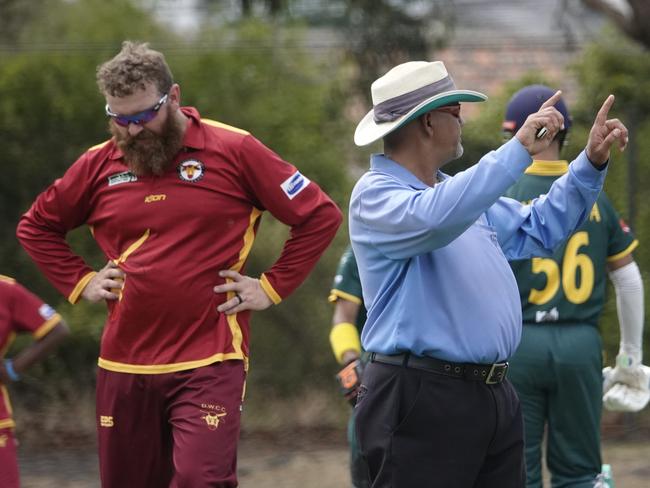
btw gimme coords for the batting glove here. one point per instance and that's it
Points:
(626, 386)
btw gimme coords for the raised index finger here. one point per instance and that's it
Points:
(601, 117)
(553, 100)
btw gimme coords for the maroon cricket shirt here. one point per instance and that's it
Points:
(171, 235)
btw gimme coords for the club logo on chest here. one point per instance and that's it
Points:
(191, 170)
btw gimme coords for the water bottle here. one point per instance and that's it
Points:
(604, 479)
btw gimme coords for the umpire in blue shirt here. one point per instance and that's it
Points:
(436, 408)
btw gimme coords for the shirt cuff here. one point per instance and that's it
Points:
(269, 290)
(587, 173)
(79, 288)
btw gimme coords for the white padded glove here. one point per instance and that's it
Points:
(626, 387)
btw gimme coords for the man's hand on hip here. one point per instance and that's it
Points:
(244, 293)
(105, 285)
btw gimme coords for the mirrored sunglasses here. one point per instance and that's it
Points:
(139, 118)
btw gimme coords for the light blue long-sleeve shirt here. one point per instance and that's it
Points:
(433, 261)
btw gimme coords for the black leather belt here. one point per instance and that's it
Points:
(488, 373)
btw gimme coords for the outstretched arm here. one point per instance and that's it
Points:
(535, 229)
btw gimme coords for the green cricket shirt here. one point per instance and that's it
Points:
(570, 286)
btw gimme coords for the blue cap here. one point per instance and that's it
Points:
(527, 101)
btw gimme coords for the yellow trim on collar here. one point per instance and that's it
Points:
(165, 368)
(336, 294)
(7, 424)
(98, 146)
(548, 168)
(221, 125)
(623, 253)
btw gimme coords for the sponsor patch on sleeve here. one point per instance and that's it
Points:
(294, 185)
(119, 178)
(46, 311)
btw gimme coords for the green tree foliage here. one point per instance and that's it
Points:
(247, 8)
(375, 35)
(381, 34)
(14, 14)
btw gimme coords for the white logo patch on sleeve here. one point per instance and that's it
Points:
(46, 311)
(294, 184)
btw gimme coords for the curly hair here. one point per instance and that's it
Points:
(132, 69)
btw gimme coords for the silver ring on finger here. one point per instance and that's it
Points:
(239, 298)
(541, 133)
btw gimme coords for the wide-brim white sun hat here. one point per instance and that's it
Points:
(406, 92)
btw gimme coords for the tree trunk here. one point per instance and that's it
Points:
(636, 24)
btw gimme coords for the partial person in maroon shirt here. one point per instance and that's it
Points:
(174, 201)
(21, 312)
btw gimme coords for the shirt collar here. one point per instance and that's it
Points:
(384, 164)
(548, 168)
(194, 137)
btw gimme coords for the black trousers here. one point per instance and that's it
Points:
(419, 429)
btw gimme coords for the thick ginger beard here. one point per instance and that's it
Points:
(148, 153)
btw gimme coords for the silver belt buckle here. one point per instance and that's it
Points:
(497, 373)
